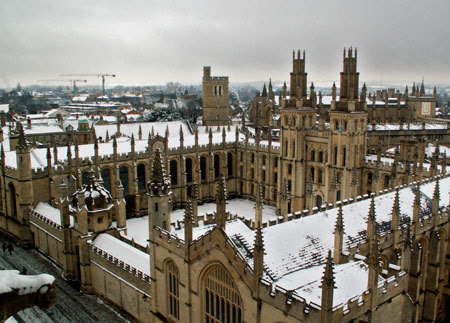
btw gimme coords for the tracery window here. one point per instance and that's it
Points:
(173, 292)
(222, 302)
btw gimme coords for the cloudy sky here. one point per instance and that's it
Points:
(152, 42)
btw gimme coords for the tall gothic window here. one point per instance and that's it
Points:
(173, 292)
(173, 172)
(222, 302)
(188, 170)
(203, 168)
(106, 177)
(141, 177)
(123, 175)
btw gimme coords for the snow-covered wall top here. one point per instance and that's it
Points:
(11, 280)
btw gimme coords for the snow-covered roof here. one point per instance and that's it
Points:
(412, 126)
(12, 280)
(37, 130)
(350, 281)
(123, 252)
(48, 212)
(4, 108)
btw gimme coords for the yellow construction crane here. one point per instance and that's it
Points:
(74, 83)
(103, 76)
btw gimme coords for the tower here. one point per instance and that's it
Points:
(159, 204)
(25, 184)
(298, 76)
(216, 110)
(349, 77)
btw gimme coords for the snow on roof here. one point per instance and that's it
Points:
(4, 108)
(159, 128)
(304, 242)
(124, 252)
(45, 210)
(36, 130)
(412, 126)
(11, 280)
(137, 228)
(240, 207)
(350, 280)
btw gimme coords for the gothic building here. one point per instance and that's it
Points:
(334, 196)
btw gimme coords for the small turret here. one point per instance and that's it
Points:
(338, 236)
(188, 222)
(221, 198)
(328, 286)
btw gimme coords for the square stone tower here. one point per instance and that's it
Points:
(216, 110)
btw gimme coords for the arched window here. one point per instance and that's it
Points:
(275, 162)
(216, 166)
(253, 157)
(289, 169)
(264, 160)
(173, 292)
(12, 200)
(141, 177)
(311, 174)
(318, 200)
(173, 172)
(230, 164)
(321, 156)
(222, 301)
(386, 181)
(203, 168)
(188, 170)
(123, 175)
(319, 176)
(313, 155)
(106, 177)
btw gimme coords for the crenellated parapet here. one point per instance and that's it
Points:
(107, 262)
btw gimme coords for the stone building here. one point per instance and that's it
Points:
(107, 211)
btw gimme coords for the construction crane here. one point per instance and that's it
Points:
(103, 76)
(74, 83)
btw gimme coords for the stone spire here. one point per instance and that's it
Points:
(373, 261)
(258, 256)
(140, 132)
(416, 210)
(259, 206)
(264, 91)
(371, 222)
(395, 212)
(328, 286)
(188, 222)
(338, 236)
(422, 89)
(436, 198)
(221, 198)
(333, 91)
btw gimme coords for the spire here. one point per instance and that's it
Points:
(339, 226)
(338, 236)
(258, 255)
(181, 133)
(188, 222)
(264, 91)
(333, 88)
(436, 198)
(259, 206)
(395, 212)
(167, 131)
(221, 197)
(140, 132)
(328, 274)
(371, 221)
(157, 169)
(422, 88)
(328, 286)
(416, 209)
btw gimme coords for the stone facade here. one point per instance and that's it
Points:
(216, 109)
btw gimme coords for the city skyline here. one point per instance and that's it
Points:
(153, 43)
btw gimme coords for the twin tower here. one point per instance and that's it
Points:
(216, 108)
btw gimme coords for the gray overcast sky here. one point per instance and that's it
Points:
(152, 42)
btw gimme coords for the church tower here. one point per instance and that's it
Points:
(298, 76)
(349, 77)
(216, 109)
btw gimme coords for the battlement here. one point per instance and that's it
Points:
(107, 261)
